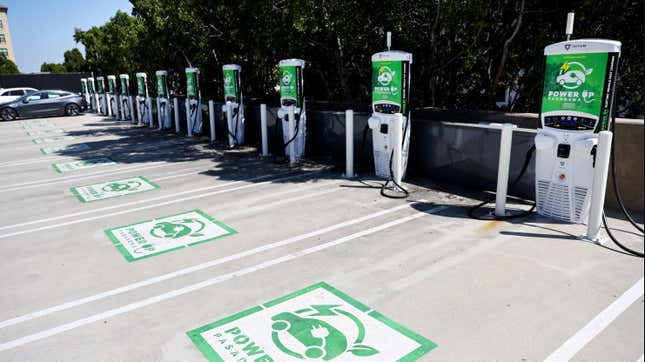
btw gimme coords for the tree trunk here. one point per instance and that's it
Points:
(502, 62)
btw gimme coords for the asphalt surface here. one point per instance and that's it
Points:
(451, 288)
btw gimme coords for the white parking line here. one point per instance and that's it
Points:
(574, 344)
(131, 203)
(199, 267)
(209, 282)
(49, 227)
(56, 180)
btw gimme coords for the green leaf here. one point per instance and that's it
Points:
(363, 350)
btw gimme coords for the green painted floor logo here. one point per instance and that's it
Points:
(53, 139)
(81, 165)
(112, 189)
(318, 323)
(161, 235)
(61, 149)
(47, 131)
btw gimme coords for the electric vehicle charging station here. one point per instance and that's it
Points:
(94, 100)
(163, 100)
(233, 107)
(193, 102)
(85, 91)
(126, 101)
(293, 107)
(577, 98)
(112, 96)
(144, 109)
(100, 88)
(390, 97)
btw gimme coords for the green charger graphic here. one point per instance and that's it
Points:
(290, 85)
(389, 85)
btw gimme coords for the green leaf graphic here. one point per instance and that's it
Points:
(362, 350)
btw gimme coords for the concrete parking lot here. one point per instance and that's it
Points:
(123, 243)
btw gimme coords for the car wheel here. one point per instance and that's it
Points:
(8, 114)
(72, 109)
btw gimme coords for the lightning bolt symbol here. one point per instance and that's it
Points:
(565, 66)
(324, 310)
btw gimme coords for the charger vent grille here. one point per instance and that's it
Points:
(554, 201)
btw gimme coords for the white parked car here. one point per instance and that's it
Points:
(9, 94)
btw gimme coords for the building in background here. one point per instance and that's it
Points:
(5, 36)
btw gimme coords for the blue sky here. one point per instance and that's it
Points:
(42, 30)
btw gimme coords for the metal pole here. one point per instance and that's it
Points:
(263, 129)
(175, 102)
(189, 119)
(229, 123)
(109, 107)
(397, 136)
(151, 123)
(292, 135)
(130, 110)
(211, 119)
(349, 143)
(119, 102)
(159, 118)
(140, 121)
(503, 165)
(599, 187)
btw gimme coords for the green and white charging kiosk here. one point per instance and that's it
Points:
(126, 99)
(112, 94)
(390, 97)
(100, 88)
(163, 100)
(577, 97)
(94, 99)
(233, 108)
(144, 109)
(193, 102)
(85, 92)
(292, 100)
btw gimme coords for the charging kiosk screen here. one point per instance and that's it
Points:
(389, 86)
(290, 82)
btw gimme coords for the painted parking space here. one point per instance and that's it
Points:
(315, 323)
(45, 132)
(53, 139)
(161, 235)
(69, 148)
(82, 165)
(112, 189)
(69, 293)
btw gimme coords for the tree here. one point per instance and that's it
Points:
(7, 66)
(74, 61)
(53, 68)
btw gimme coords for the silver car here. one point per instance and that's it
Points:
(43, 103)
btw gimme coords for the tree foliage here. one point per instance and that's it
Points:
(7, 66)
(74, 61)
(53, 68)
(466, 52)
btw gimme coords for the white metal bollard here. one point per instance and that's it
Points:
(130, 110)
(211, 119)
(139, 120)
(175, 102)
(108, 106)
(397, 136)
(98, 104)
(263, 129)
(151, 122)
(159, 112)
(189, 119)
(349, 143)
(599, 186)
(119, 102)
(229, 124)
(505, 144)
(292, 134)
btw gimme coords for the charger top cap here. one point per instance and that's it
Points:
(161, 72)
(232, 67)
(111, 77)
(395, 55)
(142, 74)
(100, 78)
(292, 62)
(192, 70)
(124, 76)
(583, 45)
